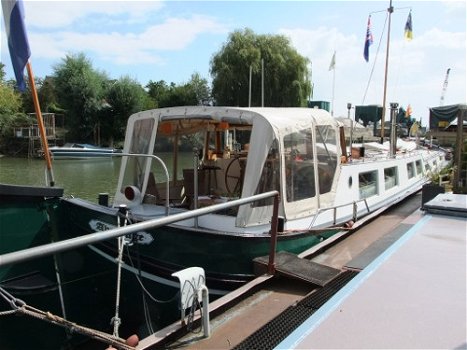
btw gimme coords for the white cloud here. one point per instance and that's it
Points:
(454, 7)
(58, 14)
(437, 38)
(177, 33)
(416, 72)
(126, 48)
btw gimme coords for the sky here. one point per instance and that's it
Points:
(171, 40)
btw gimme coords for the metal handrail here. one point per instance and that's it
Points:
(73, 243)
(334, 208)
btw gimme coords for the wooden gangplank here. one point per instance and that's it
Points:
(288, 264)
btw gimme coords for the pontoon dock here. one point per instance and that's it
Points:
(406, 289)
(411, 296)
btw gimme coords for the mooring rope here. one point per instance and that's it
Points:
(20, 307)
(122, 216)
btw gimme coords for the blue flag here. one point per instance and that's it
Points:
(13, 13)
(368, 41)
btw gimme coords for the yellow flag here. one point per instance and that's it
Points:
(408, 34)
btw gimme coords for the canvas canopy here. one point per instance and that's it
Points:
(280, 130)
(442, 116)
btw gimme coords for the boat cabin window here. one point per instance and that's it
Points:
(390, 178)
(300, 174)
(418, 165)
(270, 175)
(216, 150)
(326, 148)
(135, 168)
(368, 184)
(410, 170)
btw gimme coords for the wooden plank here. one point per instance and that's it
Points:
(291, 265)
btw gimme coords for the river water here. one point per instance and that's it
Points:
(79, 178)
(85, 179)
(82, 178)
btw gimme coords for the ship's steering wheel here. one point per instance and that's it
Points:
(233, 183)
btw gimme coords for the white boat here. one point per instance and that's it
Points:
(80, 150)
(237, 153)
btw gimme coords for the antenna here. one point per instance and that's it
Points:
(445, 86)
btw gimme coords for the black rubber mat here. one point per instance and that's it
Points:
(276, 330)
(377, 248)
(291, 265)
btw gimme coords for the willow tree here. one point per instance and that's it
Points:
(286, 74)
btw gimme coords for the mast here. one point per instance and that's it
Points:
(390, 11)
(40, 122)
(249, 87)
(262, 82)
(333, 90)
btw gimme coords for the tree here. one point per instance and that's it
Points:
(188, 94)
(2, 72)
(80, 91)
(10, 100)
(46, 93)
(11, 112)
(124, 97)
(285, 71)
(200, 87)
(157, 91)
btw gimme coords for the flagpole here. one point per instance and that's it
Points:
(390, 11)
(332, 66)
(333, 89)
(40, 122)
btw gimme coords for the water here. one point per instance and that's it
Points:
(79, 178)
(85, 179)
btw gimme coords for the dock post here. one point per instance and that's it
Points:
(274, 223)
(205, 300)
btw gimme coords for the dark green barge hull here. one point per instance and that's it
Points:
(227, 258)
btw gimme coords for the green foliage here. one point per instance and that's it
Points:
(124, 97)
(47, 96)
(80, 90)
(443, 174)
(200, 87)
(10, 101)
(285, 71)
(10, 109)
(191, 93)
(2, 72)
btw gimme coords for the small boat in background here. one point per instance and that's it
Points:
(80, 150)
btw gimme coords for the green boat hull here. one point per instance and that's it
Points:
(226, 258)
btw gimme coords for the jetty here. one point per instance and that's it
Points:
(401, 283)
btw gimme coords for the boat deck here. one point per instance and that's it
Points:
(407, 277)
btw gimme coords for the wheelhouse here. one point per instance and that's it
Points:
(215, 154)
